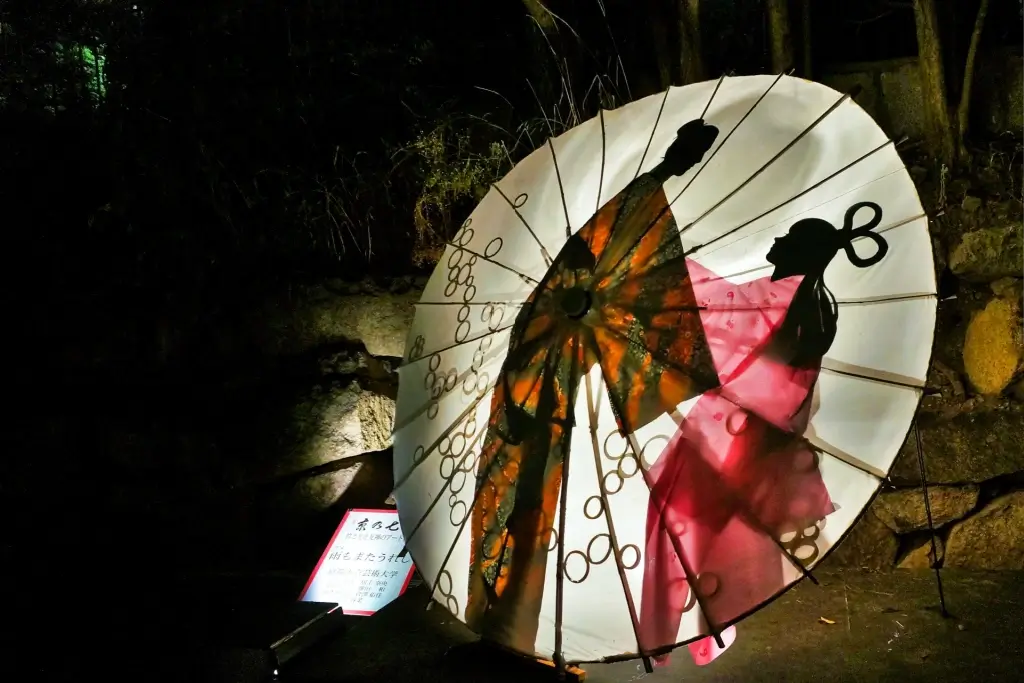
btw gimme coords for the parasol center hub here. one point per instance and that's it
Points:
(576, 302)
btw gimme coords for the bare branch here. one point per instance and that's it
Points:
(963, 110)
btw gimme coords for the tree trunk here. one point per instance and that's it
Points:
(933, 82)
(541, 15)
(963, 111)
(691, 56)
(805, 26)
(662, 52)
(779, 32)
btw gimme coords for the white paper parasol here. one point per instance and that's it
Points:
(753, 355)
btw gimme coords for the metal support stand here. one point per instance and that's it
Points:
(931, 525)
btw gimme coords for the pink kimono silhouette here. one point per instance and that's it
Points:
(735, 474)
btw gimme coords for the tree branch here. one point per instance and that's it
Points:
(963, 110)
(870, 20)
(933, 81)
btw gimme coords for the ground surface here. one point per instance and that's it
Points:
(887, 628)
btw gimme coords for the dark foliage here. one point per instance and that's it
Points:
(233, 139)
(182, 154)
(168, 144)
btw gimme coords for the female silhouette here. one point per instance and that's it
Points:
(737, 476)
(571, 315)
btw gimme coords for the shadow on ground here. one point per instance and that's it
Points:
(886, 628)
(855, 626)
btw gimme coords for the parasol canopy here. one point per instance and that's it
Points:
(662, 369)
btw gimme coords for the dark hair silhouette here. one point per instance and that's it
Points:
(809, 327)
(693, 140)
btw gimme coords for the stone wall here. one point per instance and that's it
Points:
(891, 92)
(972, 432)
(256, 467)
(971, 429)
(239, 450)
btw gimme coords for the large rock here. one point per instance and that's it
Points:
(326, 314)
(994, 346)
(377, 374)
(901, 93)
(319, 492)
(871, 545)
(869, 98)
(989, 254)
(339, 420)
(363, 481)
(970, 447)
(991, 539)
(1017, 390)
(903, 511)
(1010, 288)
(918, 553)
(291, 518)
(304, 427)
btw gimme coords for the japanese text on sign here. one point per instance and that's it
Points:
(363, 568)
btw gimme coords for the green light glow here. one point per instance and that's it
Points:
(93, 61)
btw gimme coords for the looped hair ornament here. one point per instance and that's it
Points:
(810, 324)
(848, 234)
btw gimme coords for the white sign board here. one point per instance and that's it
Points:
(361, 569)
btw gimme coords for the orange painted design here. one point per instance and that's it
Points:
(538, 326)
(641, 302)
(674, 388)
(597, 233)
(613, 351)
(526, 388)
(501, 582)
(644, 254)
(506, 586)
(628, 292)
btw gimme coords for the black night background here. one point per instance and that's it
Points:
(218, 213)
